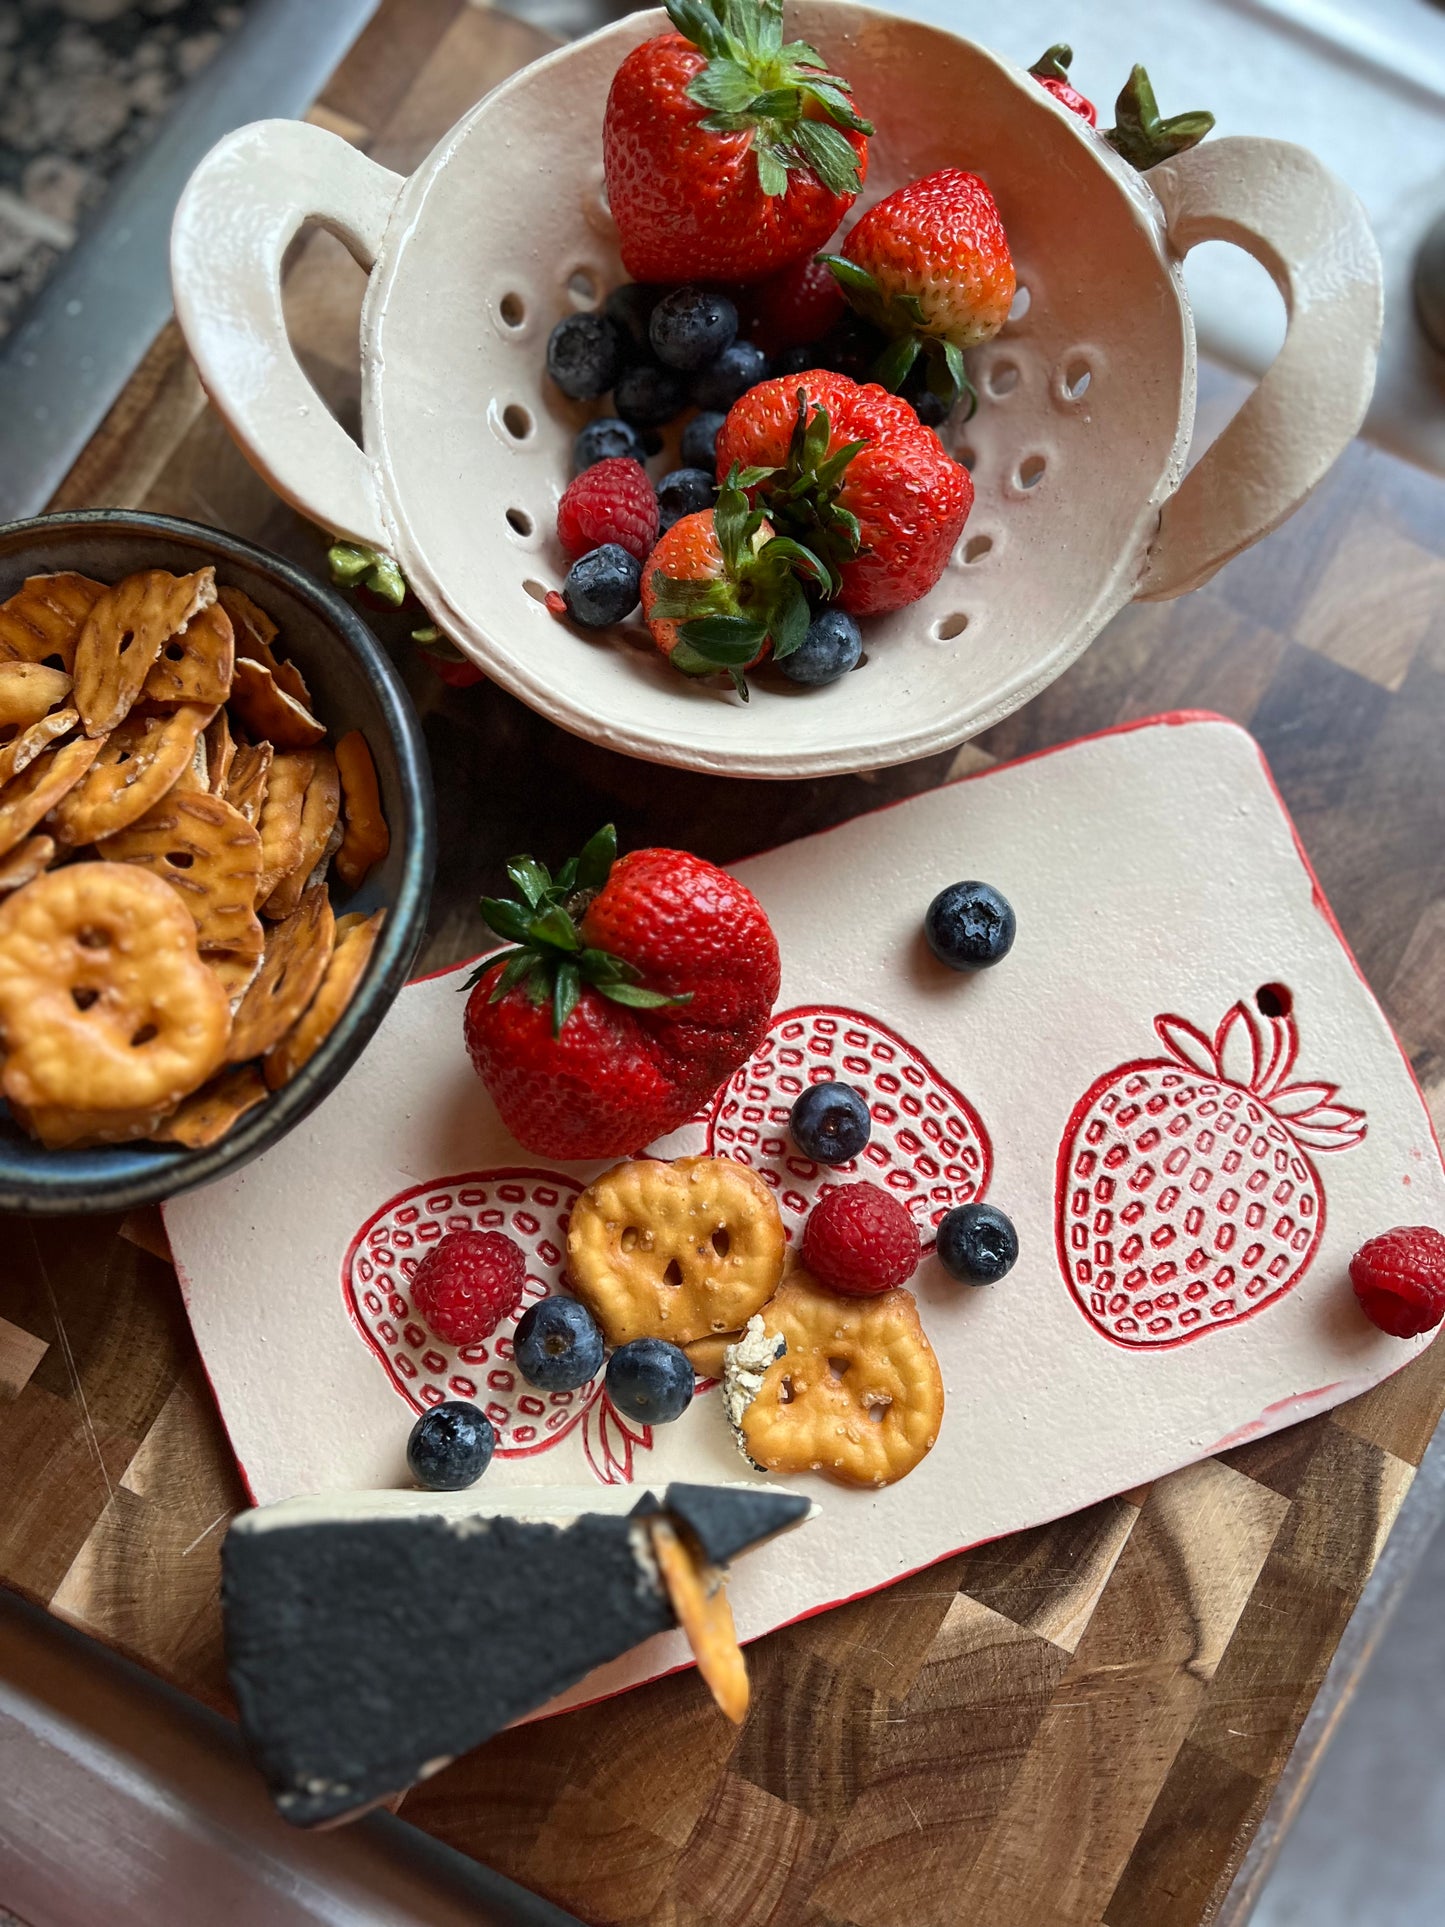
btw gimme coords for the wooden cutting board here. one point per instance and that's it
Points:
(1080, 1724)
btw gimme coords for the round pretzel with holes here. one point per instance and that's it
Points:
(674, 1251)
(105, 1006)
(856, 1394)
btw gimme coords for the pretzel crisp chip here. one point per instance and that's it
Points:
(123, 635)
(318, 819)
(255, 634)
(280, 819)
(44, 617)
(323, 862)
(23, 748)
(297, 953)
(25, 862)
(676, 1250)
(195, 664)
(28, 691)
(367, 839)
(853, 1391)
(210, 856)
(108, 1015)
(196, 774)
(349, 958)
(37, 789)
(698, 1594)
(220, 753)
(203, 1118)
(250, 773)
(140, 761)
(236, 969)
(267, 711)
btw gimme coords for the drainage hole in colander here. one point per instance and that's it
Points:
(513, 310)
(977, 547)
(1022, 301)
(1077, 377)
(538, 591)
(516, 421)
(1003, 378)
(1031, 471)
(583, 288)
(947, 627)
(521, 523)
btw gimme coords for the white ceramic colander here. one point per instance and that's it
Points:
(1077, 450)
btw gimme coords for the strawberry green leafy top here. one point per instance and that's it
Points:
(780, 91)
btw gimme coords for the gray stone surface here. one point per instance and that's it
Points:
(84, 86)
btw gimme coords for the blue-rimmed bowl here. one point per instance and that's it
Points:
(355, 687)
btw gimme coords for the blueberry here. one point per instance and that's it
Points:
(969, 926)
(797, 361)
(830, 649)
(851, 348)
(650, 1381)
(736, 370)
(557, 1345)
(699, 440)
(603, 586)
(914, 388)
(691, 326)
(830, 1123)
(630, 307)
(450, 1446)
(603, 439)
(977, 1244)
(647, 396)
(584, 355)
(684, 492)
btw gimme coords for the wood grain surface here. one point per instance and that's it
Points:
(1081, 1724)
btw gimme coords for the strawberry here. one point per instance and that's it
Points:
(1185, 1197)
(632, 989)
(852, 473)
(792, 309)
(728, 154)
(1051, 71)
(720, 589)
(930, 266)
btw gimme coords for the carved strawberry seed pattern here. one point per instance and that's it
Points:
(533, 1207)
(1185, 1198)
(928, 1147)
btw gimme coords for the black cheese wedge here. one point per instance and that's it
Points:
(372, 1637)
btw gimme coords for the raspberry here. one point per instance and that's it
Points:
(859, 1241)
(612, 501)
(1399, 1279)
(793, 308)
(466, 1285)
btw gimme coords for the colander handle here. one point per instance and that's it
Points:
(240, 211)
(1280, 204)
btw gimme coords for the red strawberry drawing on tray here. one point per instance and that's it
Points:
(928, 1147)
(532, 1207)
(1186, 1199)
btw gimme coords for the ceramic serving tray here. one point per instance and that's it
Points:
(1177, 1084)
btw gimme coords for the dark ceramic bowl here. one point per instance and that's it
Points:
(355, 687)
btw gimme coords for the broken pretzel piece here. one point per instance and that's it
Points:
(28, 691)
(698, 1593)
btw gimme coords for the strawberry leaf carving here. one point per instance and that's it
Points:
(1188, 1043)
(1239, 1048)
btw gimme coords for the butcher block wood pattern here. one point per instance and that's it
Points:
(1080, 1724)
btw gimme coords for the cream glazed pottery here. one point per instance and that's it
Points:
(1078, 449)
(1192, 1128)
